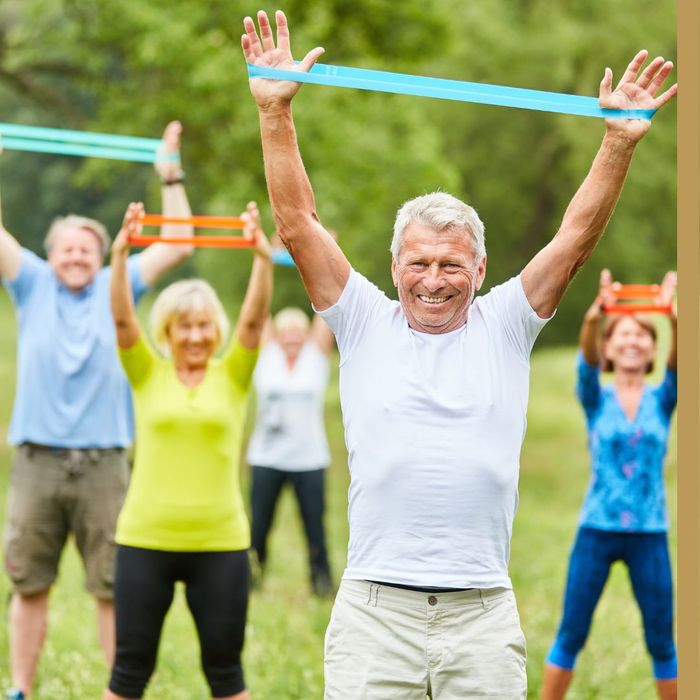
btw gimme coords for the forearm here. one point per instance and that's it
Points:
(592, 206)
(547, 276)
(672, 361)
(255, 309)
(588, 336)
(159, 258)
(175, 203)
(322, 335)
(291, 195)
(323, 267)
(122, 303)
(10, 255)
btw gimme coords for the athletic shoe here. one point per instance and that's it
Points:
(14, 694)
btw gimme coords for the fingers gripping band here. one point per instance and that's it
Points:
(82, 143)
(482, 93)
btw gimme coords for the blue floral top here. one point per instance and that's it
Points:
(626, 491)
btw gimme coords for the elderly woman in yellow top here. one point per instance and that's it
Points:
(183, 517)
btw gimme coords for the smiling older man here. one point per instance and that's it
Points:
(434, 393)
(71, 419)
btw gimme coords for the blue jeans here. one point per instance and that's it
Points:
(649, 567)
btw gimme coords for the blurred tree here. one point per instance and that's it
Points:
(123, 66)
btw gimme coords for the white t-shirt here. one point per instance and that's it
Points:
(434, 425)
(289, 432)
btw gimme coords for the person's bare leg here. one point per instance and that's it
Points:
(109, 695)
(105, 628)
(555, 682)
(667, 689)
(28, 623)
(243, 695)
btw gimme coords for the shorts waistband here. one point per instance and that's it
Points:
(52, 449)
(377, 593)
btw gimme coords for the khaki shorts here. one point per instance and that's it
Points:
(55, 492)
(386, 643)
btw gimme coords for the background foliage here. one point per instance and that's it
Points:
(123, 66)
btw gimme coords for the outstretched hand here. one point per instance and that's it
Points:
(668, 293)
(170, 168)
(261, 51)
(603, 298)
(636, 91)
(131, 226)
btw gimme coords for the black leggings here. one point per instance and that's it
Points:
(309, 490)
(216, 585)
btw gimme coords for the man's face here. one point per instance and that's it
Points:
(75, 257)
(436, 277)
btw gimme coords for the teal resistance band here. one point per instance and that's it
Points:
(282, 257)
(81, 143)
(400, 83)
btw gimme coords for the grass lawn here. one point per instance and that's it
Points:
(284, 643)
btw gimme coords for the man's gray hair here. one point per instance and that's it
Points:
(73, 221)
(439, 211)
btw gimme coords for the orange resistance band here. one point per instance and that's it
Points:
(225, 222)
(636, 298)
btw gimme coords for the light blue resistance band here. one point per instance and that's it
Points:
(483, 93)
(82, 143)
(283, 257)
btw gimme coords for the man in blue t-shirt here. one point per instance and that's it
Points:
(72, 418)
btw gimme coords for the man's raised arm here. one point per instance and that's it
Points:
(548, 274)
(322, 264)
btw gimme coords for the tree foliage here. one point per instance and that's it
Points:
(123, 66)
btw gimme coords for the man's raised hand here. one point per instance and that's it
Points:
(260, 50)
(636, 91)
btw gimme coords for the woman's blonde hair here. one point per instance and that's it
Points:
(183, 297)
(290, 317)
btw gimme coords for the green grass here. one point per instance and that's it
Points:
(284, 643)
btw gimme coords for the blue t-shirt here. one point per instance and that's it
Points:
(71, 389)
(626, 491)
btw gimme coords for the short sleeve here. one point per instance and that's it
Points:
(588, 385)
(667, 391)
(359, 303)
(138, 361)
(240, 364)
(519, 320)
(30, 269)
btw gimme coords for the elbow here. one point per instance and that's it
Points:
(297, 226)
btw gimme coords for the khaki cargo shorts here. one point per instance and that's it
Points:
(53, 493)
(388, 643)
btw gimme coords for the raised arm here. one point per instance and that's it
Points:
(322, 335)
(10, 251)
(547, 275)
(323, 267)
(10, 255)
(125, 322)
(255, 310)
(588, 336)
(668, 292)
(158, 258)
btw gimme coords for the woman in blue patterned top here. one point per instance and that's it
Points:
(624, 512)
